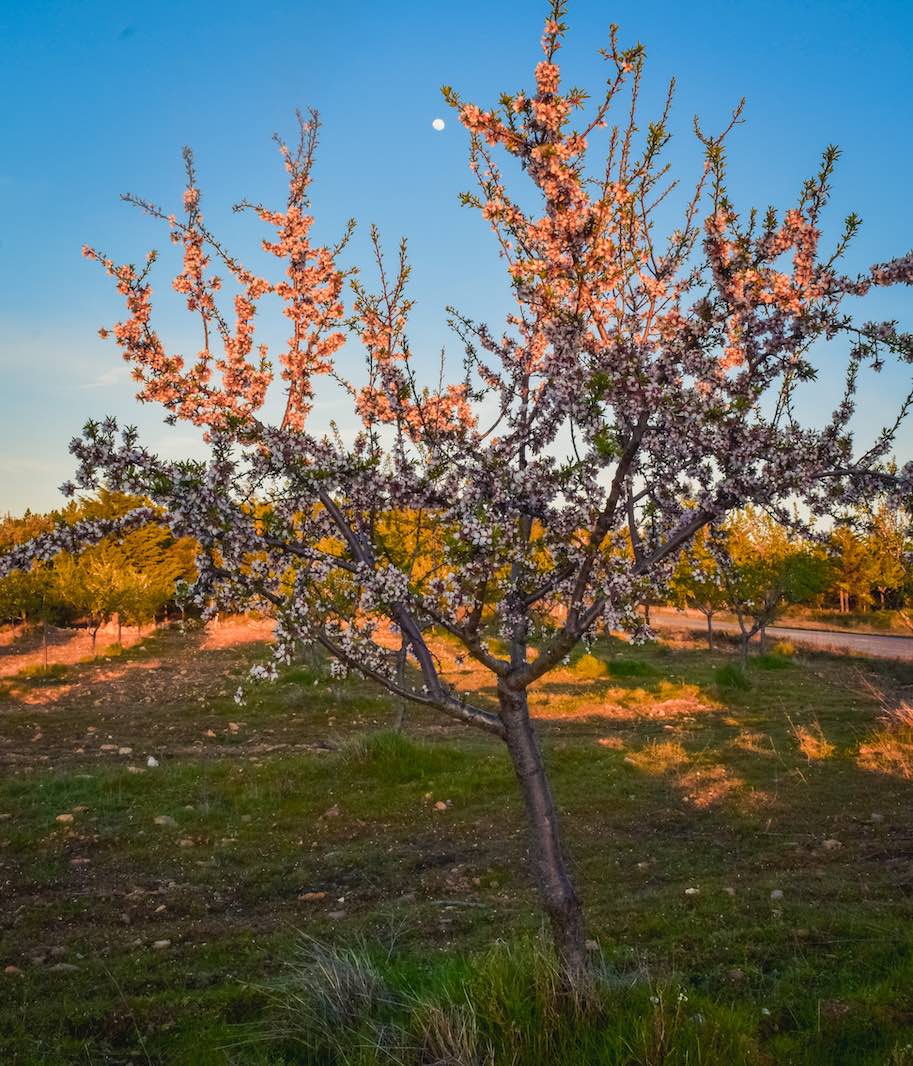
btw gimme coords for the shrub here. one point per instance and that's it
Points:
(589, 667)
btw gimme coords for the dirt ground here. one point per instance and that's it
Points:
(167, 669)
(759, 829)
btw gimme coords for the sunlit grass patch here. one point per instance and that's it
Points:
(659, 757)
(706, 786)
(888, 751)
(754, 742)
(812, 742)
(39, 672)
(112, 651)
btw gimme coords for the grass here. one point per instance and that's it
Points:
(507, 1005)
(730, 676)
(335, 892)
(630, 668)
(773, 661)
(39, 672)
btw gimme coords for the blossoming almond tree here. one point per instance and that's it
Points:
(642, 389)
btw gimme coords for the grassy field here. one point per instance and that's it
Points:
(293, 883)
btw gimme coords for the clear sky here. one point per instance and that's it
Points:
(99, 98)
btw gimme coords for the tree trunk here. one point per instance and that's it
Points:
(710, 631)
(556, 890)
(399, 715)
(744, 637)
(44, 638)
(94, 635)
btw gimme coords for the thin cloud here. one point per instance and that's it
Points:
(112, 376)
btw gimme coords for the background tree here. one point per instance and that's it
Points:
(95, 585)
(763, 570)
(29, 596)
(153, 564)
(697, 581)
(32, 597)
(887, 546)
(854, 568)
(133, 575)
(642, 384)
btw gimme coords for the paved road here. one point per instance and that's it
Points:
(872, 644)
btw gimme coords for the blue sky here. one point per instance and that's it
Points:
(100, 97)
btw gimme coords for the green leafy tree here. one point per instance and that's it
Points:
(765, 569)
(853, 568)
(886, 545)
(32, 597)
(94, 584)
(697, 582)
(29, 597)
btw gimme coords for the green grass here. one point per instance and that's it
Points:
(505, 1005)
(630, 668)
(730, 676)
(773, 661)
(40, 672)
(318, 849)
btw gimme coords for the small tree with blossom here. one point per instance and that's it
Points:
(642, 389)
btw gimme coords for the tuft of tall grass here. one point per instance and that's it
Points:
(889, 749)
(812, 742)
(391, 757)
(304, 675)
(447, 1034)
(331, 1000)
(731, 677)
(505, 1007)
(40, 672)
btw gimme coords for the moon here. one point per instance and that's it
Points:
(438, 124)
